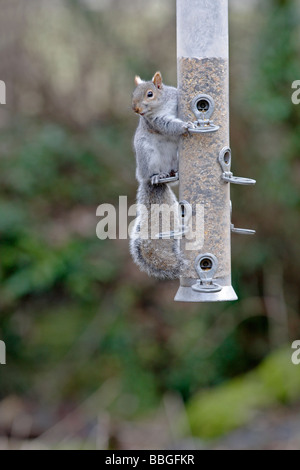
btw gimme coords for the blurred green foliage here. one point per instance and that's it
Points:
(75, 312)
(232, 405)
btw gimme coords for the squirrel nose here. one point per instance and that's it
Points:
(136, 109)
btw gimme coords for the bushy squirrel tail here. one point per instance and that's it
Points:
(159, 258)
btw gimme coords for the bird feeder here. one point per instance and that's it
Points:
(205, 155)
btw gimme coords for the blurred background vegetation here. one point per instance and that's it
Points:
(98, 355)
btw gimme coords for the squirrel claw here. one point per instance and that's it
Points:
(191, 125)
(156, 178)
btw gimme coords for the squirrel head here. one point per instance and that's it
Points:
(147, 96)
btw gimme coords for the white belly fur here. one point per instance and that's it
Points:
(164, 154)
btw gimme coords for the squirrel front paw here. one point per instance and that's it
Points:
(188, 125)
(155, 179)
(191, 125)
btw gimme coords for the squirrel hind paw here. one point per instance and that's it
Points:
(155, 179)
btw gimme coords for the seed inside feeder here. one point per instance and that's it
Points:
(200, 171)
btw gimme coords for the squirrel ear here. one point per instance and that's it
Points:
(138, 80)
(157, 80)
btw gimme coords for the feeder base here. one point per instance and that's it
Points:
(187, 294)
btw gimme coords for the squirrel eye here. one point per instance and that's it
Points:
(150, 94)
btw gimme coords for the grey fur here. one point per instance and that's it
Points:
(156, 143)
(161, 259)
(157, 135)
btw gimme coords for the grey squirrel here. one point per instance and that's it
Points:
(156, 144)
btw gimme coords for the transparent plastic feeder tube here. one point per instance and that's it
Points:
(203, 83)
